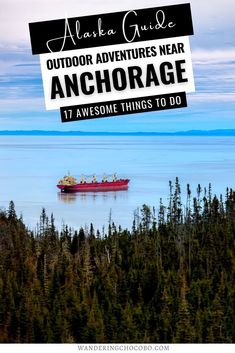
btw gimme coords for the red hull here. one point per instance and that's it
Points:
(121, 184)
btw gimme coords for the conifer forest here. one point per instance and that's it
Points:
(170, 278)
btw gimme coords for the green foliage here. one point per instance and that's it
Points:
(169, 279)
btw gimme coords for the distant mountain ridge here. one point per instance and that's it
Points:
(218, 132)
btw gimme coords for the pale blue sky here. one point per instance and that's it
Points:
(212, 106)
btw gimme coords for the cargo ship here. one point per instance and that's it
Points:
(70, 184)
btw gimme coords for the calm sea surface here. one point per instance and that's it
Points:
(31, 166)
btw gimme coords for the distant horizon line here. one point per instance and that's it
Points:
(215, 132)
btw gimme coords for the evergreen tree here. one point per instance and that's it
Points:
(165, 281)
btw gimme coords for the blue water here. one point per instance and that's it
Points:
(31, 167)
